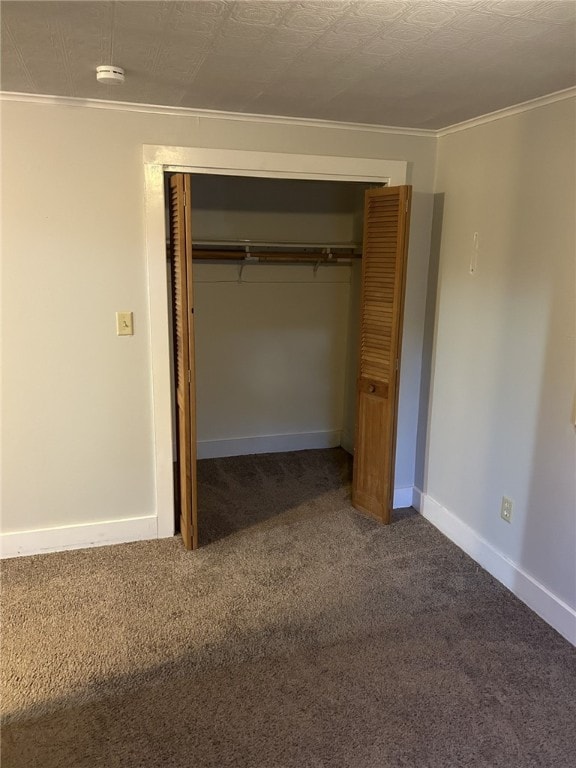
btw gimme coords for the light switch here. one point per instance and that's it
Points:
(124, 324)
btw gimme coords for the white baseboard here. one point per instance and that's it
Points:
(78, 536)
(541, 600)
(242, 446)
(417, 497)
(402, 497)
(347, 442)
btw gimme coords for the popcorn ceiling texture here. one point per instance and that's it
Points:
(303, 636)
(411, 63)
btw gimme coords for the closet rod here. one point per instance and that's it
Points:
(349, 245)
(269, 256)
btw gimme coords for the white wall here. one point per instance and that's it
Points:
(77, 424)
(504, 369)
(231, 207)
(272, 358)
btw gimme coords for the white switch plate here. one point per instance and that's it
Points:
(124, 324)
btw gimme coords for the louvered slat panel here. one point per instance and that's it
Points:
(177, 290)
(383, 275)
(380, 278)
(181, 242)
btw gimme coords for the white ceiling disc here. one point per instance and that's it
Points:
(110, 75)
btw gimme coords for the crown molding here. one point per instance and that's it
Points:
(499, 114)
(244, 117)
(211, 114)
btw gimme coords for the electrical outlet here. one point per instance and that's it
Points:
(506, 509)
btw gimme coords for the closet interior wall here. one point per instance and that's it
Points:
(276, 346)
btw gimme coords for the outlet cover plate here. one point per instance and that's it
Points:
(506, 509)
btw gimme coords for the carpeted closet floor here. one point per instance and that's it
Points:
(302, 635)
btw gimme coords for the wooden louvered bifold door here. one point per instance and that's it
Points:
(386, 222)
(183, 303)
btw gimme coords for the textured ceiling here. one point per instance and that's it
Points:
(411, 63)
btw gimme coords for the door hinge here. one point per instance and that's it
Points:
(189, 377)
(406, 206)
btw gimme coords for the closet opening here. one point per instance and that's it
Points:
(281, 350)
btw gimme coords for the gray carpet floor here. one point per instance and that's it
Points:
(301, 635)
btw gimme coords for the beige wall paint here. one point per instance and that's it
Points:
(271, 351)
(271, 348)
(504, 371)
(77, 423)
(285, 210)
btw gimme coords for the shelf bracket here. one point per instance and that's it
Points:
(243, 264)
(326, 256)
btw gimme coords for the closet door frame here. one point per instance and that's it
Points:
(159, 160)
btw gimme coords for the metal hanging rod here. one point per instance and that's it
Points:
(264, 257)
(348, 245)
(256, 252)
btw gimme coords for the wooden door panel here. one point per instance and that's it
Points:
(181, 247)
(373, 423)
(386, 221)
